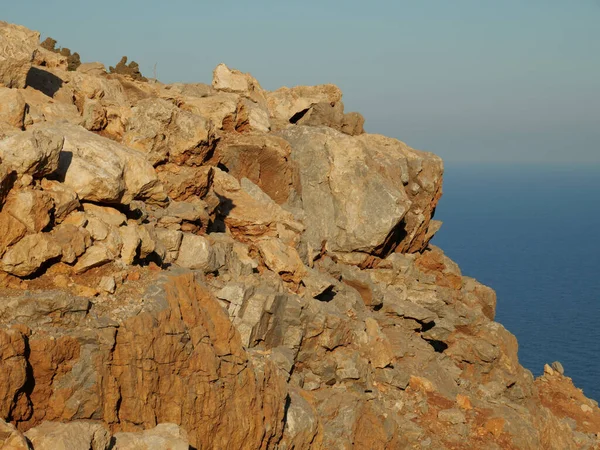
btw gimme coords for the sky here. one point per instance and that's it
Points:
(478, 81)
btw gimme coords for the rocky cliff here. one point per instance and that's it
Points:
(225, 267)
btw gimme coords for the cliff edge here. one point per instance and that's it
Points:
(224, 267)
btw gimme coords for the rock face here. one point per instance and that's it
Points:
(394, 191)
(18, 46)
(220, 266)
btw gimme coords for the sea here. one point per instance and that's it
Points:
(532, 233)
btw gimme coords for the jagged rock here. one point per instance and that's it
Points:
(317, 283)
(73, 241)
(34, 152)
(302, 429)
(131, 241)
(264, 160)
(249, 213)
(13, 374)
(72, 59)
(97, 228)
(183, 183)
(50, 59)
(65, 200)
(12, 107)
(195, 252)
(69, 436)
(148, 240)
(558, 367)
(171, 241)
(12, 231)
(251, 117)
(11, 438)
(28, 255)
(220, 109)
(77, 218)
(31, 208)
(382, 353)
(100, 170)
(287, 105)
(313, 106)
(96, 255)
(164, 132)
(114, 243)
(372, 170)
(76, 87)
(17, 48)
(280, 258)
(94, 115)
(163, 436)
(232, 80)
(356, 334)
(41, 108)
(110, 216)
(181, 341)
(108, 284)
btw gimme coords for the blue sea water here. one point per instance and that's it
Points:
(532, 233)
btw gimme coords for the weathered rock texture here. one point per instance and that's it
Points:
(225, 267)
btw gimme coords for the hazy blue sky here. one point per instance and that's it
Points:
(471, 80)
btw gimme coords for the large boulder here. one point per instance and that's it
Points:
(367, 194)
(35, 152)
(165, 132)
(101, 170)
(28, 255)
(17, 49)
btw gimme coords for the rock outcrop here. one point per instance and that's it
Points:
(220, 266)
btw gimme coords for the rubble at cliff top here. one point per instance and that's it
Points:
(222, 266)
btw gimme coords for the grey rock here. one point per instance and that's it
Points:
(557, 366)
(101, 170)
(453, 416)
(369, 169)
(69, 436)
(196, 253)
